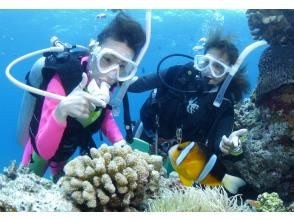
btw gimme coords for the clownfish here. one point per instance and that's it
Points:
(190, 162)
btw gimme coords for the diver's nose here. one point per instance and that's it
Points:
(110, 77)
(112, 74)
(206, 73)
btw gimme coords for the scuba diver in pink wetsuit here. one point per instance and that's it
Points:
(57, 127)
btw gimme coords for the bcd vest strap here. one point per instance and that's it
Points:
(68, 66)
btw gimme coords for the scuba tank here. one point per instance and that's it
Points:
(27, 107)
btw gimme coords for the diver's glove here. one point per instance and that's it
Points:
(232, 145)
(78, 104)
(120, 143)
(101, 93)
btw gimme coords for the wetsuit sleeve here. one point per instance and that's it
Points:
(152, 81)
(146, 82)
(110, 128)
(50, 130)
(223, 126)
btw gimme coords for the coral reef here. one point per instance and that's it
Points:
(24, 191)
(276, 69)
(268, 161)
(112, 178)
(276, 64)
(270, 202)
(275, 26)
(269, 150)
(196, 199)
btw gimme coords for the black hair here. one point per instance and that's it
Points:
(124, 29)
(240, 84)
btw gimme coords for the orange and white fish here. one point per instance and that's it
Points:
(190, 162)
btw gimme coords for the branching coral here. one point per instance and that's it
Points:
(196, 199)
(111, 178)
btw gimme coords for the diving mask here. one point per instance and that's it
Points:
(106, 61)
(207, 62)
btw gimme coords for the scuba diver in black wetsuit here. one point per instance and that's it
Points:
(180, 108)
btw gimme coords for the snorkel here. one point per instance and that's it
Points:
(58, 46)
(117, 99)
(220, 96)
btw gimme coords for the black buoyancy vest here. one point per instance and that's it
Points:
(68, 67)
(171, 107)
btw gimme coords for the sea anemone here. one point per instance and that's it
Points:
(196, 199)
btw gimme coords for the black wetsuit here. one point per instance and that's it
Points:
(194, 112)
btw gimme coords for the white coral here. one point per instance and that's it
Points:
(112, 177)
(120, 179)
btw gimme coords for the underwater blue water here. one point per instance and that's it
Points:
(173, 31)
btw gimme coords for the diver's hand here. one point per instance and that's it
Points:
(230, 144)
(120, 143)
(78, 104)
(101, 93)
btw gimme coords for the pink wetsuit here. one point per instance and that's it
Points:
(51, 131)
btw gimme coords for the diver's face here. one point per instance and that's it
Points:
(218, 55)
(108, 60)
